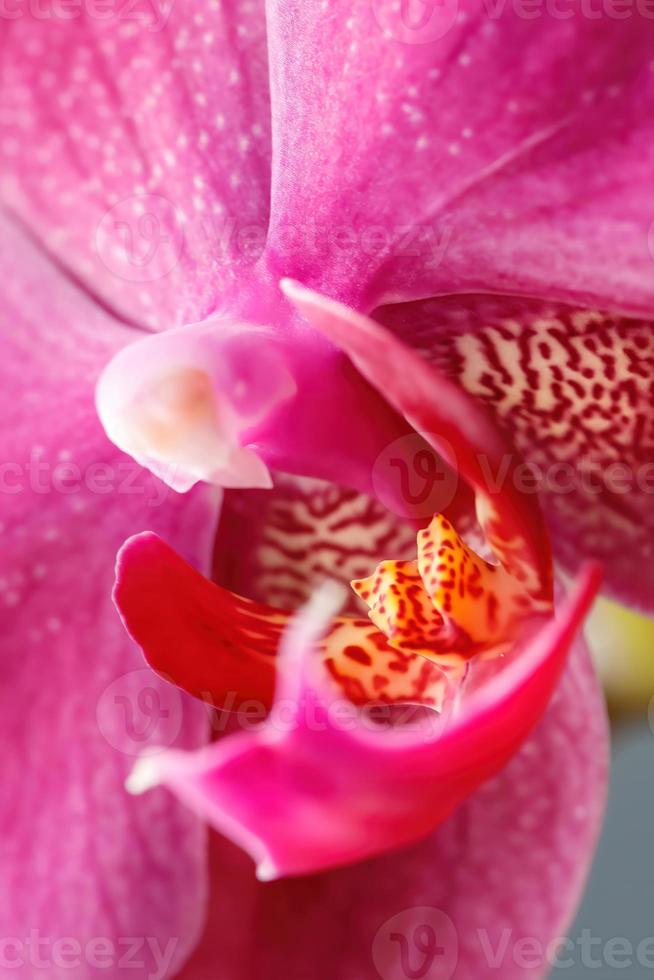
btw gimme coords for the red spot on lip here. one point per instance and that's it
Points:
(359, 655)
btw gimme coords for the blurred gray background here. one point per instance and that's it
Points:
(619, 900)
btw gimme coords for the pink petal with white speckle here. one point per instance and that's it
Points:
(471, 150)
(138, 147)
(78, 857)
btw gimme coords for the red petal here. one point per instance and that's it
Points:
(213, 643)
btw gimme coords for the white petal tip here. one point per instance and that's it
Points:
(266, 871)
(293, 289)
(145, 775)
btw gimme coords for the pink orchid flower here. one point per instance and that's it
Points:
(303, 248)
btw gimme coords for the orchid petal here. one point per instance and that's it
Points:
(319, 813)
(216, 645)
(138, 146)
(574, 390)
(475, 149)
(77, 704)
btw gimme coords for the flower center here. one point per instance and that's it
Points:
(448, 604)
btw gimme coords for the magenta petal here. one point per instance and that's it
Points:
(318, 785)
(462, 149)
(79, 857)
(136, 145)
(510, 863)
